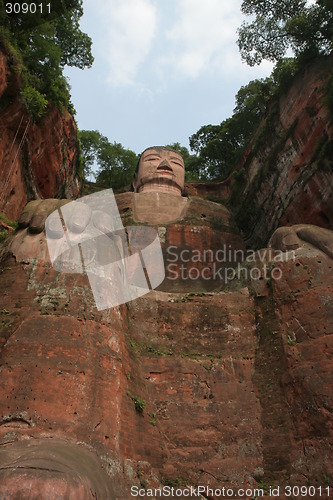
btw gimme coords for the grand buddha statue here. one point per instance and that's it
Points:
(189, 224)
(168, 388)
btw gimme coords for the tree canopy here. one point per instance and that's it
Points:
(43, 42)
(115, 164)
(219, 146)
(276, 27)
(306, 29)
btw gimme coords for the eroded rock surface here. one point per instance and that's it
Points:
(285, 175)
(51, 468)
(228, 387)
(202, 381)
(37, 160)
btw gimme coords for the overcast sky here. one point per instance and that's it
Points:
(163, 68)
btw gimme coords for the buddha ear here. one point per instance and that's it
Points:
(133, 185)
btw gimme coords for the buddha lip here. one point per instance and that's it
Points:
(164, 168)
(165, 172)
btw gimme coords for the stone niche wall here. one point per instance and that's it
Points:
(229, 387)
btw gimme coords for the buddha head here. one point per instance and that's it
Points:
(160, 169)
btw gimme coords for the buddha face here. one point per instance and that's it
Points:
(160, 169)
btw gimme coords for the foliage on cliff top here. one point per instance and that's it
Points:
(115, 164)
(42, 44)
(219, 147)
(305, 28)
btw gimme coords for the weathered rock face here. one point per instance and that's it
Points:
(52, 469)
(218, 190)
(76, 375)
(286, 174)
(293, 366)
(304, 313)
(37, 160)
(214, 388)
(189, 385)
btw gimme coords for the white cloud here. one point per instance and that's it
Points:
(129, 28)
(204, 33)
(175, 40)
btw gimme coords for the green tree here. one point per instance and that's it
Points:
(90, 142)
(115, 164)
(286, 24)
(284, 72)
(53, 29)
(44, 42)
(220, 146)
(201, 138)
(216, 145)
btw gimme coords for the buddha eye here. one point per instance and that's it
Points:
(152, 158)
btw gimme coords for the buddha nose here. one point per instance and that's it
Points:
(164, 163)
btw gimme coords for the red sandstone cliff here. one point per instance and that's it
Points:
(237, 384)
(286, 174)
(37, 160)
